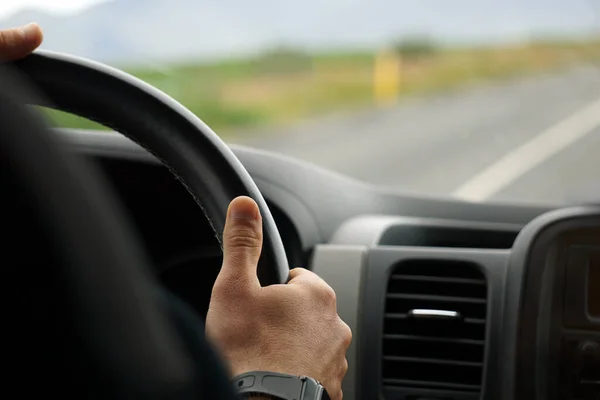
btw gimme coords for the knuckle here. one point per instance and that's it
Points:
(328, 295)
(344, 368)
(346, 334)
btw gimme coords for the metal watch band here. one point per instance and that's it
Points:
(274, 385)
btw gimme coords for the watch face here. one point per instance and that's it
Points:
(325, 395)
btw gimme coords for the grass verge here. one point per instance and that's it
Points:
(285, 86)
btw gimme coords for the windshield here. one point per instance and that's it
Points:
(481, 100)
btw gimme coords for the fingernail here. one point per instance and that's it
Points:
(243, 213)
(30, 31)
(240, 209)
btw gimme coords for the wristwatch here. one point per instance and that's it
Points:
(274, 385)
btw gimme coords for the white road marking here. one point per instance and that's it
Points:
(532, 153)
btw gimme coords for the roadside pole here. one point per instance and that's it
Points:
(386, 77)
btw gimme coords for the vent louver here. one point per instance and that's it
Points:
(426, 349)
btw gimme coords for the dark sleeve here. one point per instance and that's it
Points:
(212, 377)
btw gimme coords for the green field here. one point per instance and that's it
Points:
(284, 86)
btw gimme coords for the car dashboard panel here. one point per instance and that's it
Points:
(447, 300)
(483, 320)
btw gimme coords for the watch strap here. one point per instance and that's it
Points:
(278, 386)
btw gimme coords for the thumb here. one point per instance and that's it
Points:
(242, 243)
(18, 42)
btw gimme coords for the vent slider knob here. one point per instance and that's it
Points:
(420, 313)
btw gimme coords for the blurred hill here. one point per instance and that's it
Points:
(134, 31)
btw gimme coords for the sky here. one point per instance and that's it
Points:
(247, 24)
(8, 7)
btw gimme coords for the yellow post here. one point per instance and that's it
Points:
(386, 77)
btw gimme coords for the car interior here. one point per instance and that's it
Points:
(447, 299)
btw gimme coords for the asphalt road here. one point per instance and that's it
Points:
(533, 139)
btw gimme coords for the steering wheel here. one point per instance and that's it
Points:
(103, 297)
(186, 146)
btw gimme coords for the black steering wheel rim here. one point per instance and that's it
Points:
(187, 146)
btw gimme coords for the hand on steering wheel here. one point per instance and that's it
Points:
(290, 328)
(19, 42)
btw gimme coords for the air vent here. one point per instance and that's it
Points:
(434, 330)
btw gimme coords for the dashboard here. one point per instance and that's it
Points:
(447, 300)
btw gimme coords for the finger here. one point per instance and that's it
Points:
(18, 42)
(242, 243)
(299, 272)
(304, 276)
